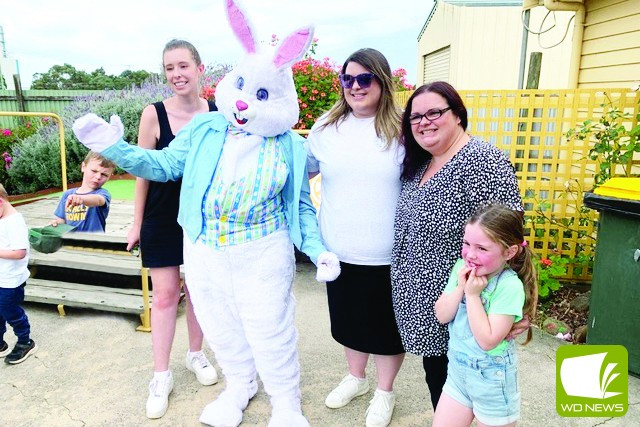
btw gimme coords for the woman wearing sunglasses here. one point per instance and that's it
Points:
(446, 176)
(355, 148)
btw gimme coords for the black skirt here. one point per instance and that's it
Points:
(161, 244)
(361, 310)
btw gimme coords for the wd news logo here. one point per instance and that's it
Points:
(592, 381)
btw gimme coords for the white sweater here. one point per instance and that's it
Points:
(360, 188)
(14, 235)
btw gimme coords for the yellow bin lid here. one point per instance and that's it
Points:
(621, 188)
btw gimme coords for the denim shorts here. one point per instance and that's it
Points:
(488, 385)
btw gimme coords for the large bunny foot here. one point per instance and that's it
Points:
(226, 410)
(287, 413)
(287, 418)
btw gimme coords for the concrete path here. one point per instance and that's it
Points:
(92, 369)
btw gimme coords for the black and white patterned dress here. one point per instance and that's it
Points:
(429, 226)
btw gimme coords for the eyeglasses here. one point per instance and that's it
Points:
(430, 115)
(364, 80)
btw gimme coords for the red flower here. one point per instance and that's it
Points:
(546, 262)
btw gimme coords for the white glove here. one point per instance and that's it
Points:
(328, 267)
(96, 134)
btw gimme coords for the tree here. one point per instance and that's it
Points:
(68, 77)
(135, 78)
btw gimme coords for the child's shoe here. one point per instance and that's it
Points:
(20, 352)
(199, 364)
(158, 400)
(4, 349)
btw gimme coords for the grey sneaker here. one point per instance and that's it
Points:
(349, 388)
(20, 352)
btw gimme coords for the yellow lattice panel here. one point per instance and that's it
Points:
(530, 127)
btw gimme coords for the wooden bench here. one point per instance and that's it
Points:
(90, 253)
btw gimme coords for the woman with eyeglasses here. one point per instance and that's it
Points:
(355, 148)
(446, 176)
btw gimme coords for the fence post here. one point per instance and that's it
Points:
(535, 63)
(19, 94)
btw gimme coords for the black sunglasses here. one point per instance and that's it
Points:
(431, 115)
(364, 80)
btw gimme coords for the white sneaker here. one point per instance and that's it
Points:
(380, 409)
(204, 370)
(349, 388)
(158, 400)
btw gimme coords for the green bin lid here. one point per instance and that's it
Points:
(48, 239)
(612, 204)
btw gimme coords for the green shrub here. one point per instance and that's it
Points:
(36, 159)
(36, 164)
(10, 137)
(548, 271)
(318, 89)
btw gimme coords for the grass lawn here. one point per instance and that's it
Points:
(121, 189)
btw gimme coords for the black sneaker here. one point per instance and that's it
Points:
(4, 349)
(21, 352)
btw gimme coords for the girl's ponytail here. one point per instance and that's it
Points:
(522, 264)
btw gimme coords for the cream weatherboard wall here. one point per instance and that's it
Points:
(470, 35)
(473, 46)
(611, 44)
(554, 43)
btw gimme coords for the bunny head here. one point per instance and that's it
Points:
(258, 95)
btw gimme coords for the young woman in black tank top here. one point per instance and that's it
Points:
(156, 229)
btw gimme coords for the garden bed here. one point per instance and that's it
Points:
(558, 306)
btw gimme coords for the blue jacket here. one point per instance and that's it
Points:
(194, 154)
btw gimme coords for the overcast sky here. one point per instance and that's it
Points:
(130, 34)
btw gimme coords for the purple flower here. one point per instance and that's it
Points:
(6, 132)
(7, 160)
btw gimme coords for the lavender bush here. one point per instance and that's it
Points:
(36, 160)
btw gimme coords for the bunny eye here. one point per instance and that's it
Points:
(262, 95)
(240, 83)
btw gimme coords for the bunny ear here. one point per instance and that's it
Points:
(240, 26)
(293, 47)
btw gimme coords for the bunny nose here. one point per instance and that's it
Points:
(241, 105)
